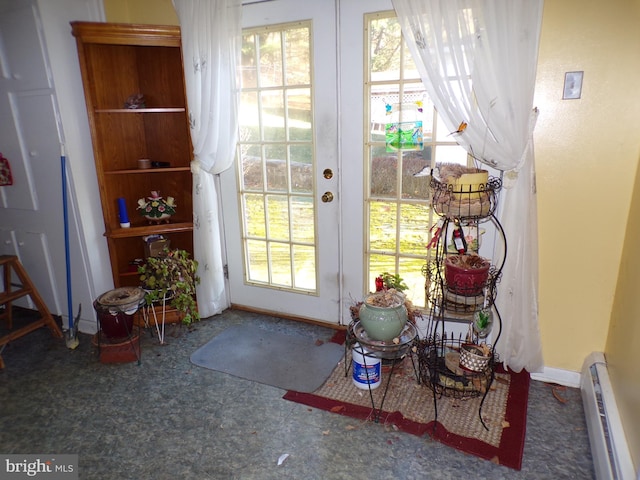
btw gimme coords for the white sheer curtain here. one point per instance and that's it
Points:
(478, 59)
(211, 39)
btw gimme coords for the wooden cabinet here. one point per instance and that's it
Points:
(118, 61)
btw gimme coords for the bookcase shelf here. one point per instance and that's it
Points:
(118, 61)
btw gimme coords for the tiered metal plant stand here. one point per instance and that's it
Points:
(459, 302)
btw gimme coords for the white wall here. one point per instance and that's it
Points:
(91, 270)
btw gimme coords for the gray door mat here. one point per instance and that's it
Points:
(290, 362)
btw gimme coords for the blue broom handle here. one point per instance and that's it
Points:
(63, 162)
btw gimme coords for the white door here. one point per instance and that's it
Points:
(30, 208)
(285, 256)
(311, 215)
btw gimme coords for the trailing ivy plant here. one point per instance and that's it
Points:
(171, 277)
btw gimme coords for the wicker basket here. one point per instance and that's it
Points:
(465, 200)
(472, 358)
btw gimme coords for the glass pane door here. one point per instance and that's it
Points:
(405, 138)
(276, 157)
(325, 197)
(280, 208)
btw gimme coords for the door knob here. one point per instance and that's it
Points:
(328, 173)
(327, 197)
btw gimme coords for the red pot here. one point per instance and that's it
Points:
(461, 278)
(116, 309)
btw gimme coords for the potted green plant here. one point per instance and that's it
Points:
(171, 278)
(384, 313)
(482, 322)
(387, 281)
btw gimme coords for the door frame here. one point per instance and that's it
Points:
(348, 208)
(326, 306)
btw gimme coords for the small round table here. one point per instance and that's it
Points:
(392, 350)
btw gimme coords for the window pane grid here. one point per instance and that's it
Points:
(276, 174)
(398, 214)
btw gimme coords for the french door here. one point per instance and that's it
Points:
(319, 205)
(283, 241)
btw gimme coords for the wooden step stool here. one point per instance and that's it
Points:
(9, 262)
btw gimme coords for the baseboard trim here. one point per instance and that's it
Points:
(87, 326)
(568, 378)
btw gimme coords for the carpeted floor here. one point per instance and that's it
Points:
(168, 419)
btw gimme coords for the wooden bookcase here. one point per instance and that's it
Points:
(117, 61)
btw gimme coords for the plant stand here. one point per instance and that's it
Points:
(157, 316)
(110, 351)
(383, 350)
(457, 302)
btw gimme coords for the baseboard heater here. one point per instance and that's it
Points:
(609, 448)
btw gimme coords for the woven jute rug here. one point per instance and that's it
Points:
(409, 406)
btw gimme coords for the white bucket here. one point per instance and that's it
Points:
(367, 369)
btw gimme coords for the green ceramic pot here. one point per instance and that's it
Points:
(383, 323)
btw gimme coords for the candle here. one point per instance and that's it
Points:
(144, 163)
(122, 213)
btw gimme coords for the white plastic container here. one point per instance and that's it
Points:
(367, 369)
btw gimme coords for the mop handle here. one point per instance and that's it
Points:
(63, 163)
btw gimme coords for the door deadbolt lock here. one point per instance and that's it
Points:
(327, 197)
(328, 173)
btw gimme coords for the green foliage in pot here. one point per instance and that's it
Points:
(172, 277)
(482, 323)
(482, 319)
(389, 293)
(390, 281)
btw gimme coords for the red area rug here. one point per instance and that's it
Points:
(410, 407)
